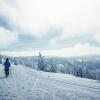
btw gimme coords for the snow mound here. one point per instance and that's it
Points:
(28, 84)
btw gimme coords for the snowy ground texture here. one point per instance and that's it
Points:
(29, 84)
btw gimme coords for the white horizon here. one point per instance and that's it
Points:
(78, 50)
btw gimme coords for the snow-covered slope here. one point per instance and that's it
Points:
(29, 84)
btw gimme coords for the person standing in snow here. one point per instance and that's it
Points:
(7, 65)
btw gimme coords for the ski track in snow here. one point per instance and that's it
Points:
(28, 84)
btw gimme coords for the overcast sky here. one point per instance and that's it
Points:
(54, 27)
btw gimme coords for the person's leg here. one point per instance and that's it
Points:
(6, 72)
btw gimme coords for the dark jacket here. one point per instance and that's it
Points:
(7, 64)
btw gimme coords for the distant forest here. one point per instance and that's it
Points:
(86, 66)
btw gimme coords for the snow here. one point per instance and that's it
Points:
(28, 84)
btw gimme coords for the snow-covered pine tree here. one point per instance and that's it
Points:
(41, 64)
